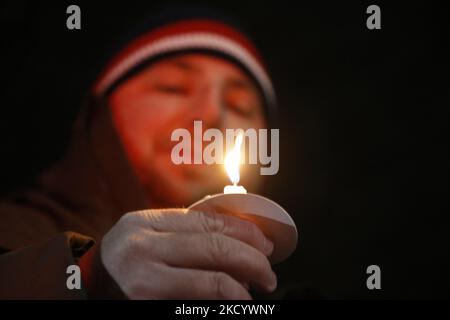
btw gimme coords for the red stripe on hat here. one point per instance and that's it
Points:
(177, 28)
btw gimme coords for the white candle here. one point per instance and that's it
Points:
(234, 189)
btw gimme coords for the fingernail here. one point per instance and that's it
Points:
(268, 246)
(273, 282)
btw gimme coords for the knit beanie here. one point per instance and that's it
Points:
(178, 31)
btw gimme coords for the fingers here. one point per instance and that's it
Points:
(193, 221)
(179, 283)
(212, 251)
(188, 255)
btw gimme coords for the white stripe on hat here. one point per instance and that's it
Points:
(197, 40)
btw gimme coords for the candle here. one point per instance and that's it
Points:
(232, 162)
(234, 189)
(270, 217)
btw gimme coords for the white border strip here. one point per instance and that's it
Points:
(200, 40)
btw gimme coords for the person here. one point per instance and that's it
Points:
(114, 205)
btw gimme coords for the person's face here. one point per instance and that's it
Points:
(171, 94)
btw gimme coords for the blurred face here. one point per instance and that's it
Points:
(171, 94)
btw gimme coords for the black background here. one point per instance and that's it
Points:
(364, 154)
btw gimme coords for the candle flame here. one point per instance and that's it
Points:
(233, 159)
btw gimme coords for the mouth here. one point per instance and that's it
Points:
(197, 172)
(192, 172)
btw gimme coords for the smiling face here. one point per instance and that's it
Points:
(171, 94)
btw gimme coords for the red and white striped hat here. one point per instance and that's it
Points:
(192, 34)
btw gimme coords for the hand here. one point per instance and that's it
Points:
(183, 254)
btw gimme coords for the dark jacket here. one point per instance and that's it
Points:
(74, 203)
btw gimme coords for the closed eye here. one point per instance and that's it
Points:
(172, 89)
(242, 110)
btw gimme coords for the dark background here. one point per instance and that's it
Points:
(364, 121)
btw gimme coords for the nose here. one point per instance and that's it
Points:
(209, 107)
